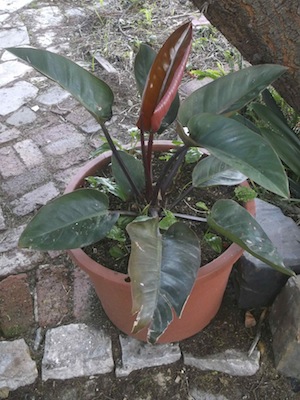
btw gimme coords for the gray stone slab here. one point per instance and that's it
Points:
(49, 16)
(37, 197)
(201, 395)
(18, 261)
(16, 96)
(231, 362)
(256, 283)
(14, 37)
(76, 350)
(22, 117)
(6, 135)
(2, 220)
(285, 327)
(137, 355)
(53, 95)
(10, 163)
(9, 239)
(9, 71)
(29, 153)
(16, 366)
(13, 5)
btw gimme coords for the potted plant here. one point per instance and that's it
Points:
(164, 264)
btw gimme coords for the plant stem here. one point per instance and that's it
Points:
(119, 160)
(164, 173)
(148, 173)
(181, 197)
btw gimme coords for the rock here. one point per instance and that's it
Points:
(2, 221)
(14, 37)
(22, 117)
(11, 6)
(76, 350)
(34, 199)
(256, 283)
(201, 395)
(285, 327)
(16, 366)
(138, 355)
(231, 362)
(17, 95)
(53, 95)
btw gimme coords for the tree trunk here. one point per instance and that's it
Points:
(264, 31)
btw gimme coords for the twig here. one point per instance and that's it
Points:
(258, 333)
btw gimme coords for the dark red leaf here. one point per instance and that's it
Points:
(164, 78)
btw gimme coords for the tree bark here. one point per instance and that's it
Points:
(264, 31)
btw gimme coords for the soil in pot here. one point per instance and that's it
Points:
(115, 255)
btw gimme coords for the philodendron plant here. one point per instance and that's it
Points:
(163, 265)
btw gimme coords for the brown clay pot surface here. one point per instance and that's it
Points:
(114, 291)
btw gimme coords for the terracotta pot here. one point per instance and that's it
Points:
(114, 289)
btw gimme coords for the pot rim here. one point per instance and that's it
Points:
(230, 255)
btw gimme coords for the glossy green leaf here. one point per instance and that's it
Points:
(164, 78)
(94, 94)
(234, 222)
(282, 138)
(211, 171)
(136, 170)
(73, 220)
(142, 65)
(162, 269)
(229, 93)
(240, 148)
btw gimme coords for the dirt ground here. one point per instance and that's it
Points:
(115, 30)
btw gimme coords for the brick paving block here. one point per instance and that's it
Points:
(29, 153)
(82, 295)
(37, 197)
(10, 164)
(54, 291)
(16, 306)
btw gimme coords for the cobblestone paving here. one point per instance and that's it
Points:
(44, 139)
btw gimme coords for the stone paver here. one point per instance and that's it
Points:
(13, 5)
(22, 117)
(36, 198)
(76, 350)
(16, 366)
(18, 261)
(16, 306)
(231, 362)
(29, 153)
(8, 135)
(83, 291)
(14, 37)
(53, 95)
(15, 96)
(2, 220)
(53, 290)
(138, 355)
(10, 164)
